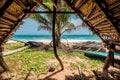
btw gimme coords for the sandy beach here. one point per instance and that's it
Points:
(74, 45)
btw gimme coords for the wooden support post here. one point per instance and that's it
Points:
(109, 59)
(2, 62)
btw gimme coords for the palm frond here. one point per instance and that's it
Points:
(68, 27)
(44, 27)
(41, 19)
(68, 24)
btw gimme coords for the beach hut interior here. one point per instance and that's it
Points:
(102, 17)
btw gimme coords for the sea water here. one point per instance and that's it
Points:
(48, 38)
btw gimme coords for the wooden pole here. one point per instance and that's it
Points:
(16, 50)
(109, 59)
(53, 37)
(2, 62)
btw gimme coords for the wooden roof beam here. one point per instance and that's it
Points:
(91, 10)
(6, 5)
(5, 26)
(15, 26)
(7, 12)
(82, 3)
(103, 26)
(4, 21)
(97, 14)
(116, 15)
(9, 16)
(87, 22)
(108, 15)
(2, 33)
(20, 3)
(101, 21)
(114, 5)
(4, 30)
(8, 19)
(42, 12)
(106, 29)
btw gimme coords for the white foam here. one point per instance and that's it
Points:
(47, 40)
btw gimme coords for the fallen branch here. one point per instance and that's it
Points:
(80, 73)
(16, 50)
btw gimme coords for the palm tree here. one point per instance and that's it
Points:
(62, 22)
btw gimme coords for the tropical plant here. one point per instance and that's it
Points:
(62, 21)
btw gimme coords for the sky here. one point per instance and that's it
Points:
(30, 26)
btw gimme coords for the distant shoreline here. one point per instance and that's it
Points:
(64, 38)
(74, 41)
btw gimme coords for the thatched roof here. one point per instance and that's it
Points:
(102, 17)
(11, 16)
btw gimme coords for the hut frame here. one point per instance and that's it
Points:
(109, 32)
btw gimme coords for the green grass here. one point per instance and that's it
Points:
(12, 46)
(27, 59)
(22, 62)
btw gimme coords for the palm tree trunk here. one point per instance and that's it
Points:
(58, 34)
(58, 37)
(58, 41)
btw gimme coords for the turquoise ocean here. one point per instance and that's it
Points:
(47, 38)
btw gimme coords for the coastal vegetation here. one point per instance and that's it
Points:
(40, 61)
(62, 23)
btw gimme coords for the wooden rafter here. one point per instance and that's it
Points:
(87, 23)
(5, 26)
(101, 21)
(4, 30)
(102, 26)
(104, 23)
(8, 19)
(20, 3)
(6, 5)
(80, 4)
(91, 11)
(7, 12)
(15, 26)
(108, 16)
(10, 16)
(42, 12)
(116, 15)
(112, 6)
(94, 16)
